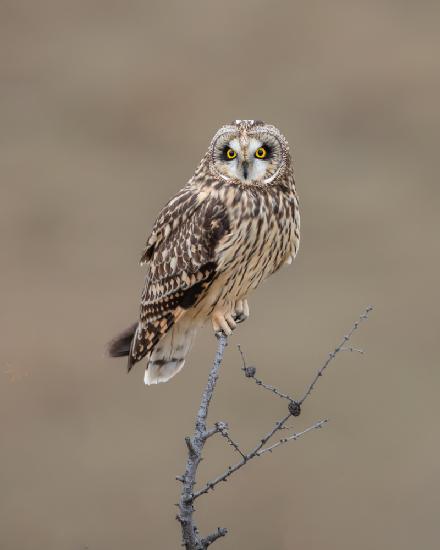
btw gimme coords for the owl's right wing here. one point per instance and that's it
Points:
(181, 264)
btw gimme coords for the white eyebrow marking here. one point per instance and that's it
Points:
(235, 144)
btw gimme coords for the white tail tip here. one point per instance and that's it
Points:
(156, 373)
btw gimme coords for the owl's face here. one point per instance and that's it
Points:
(248, 151)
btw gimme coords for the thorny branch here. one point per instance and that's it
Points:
(191, 538)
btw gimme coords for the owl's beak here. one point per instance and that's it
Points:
(245, 166)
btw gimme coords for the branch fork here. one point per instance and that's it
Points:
(191, 539)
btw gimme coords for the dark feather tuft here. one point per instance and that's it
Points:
(120, 346)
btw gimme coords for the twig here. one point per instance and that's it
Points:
(211, 432)
(246, 458)
(223, 430)
(333, 354)
(293, 437)
(221, 532)
(257, 451)
(249, 372)
(353, 350)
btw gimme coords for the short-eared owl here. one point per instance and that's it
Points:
(234, 223)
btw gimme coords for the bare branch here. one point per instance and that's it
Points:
(190, 446)
(211, 432)
(258, 451)
(249, 372)
(293, 437)
(252, 454)
(353, 350)
(334, 353)
(195, 444)
(221, 532)
(223, 429)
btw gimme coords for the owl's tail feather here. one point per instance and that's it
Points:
(120, 346)
(168, 357)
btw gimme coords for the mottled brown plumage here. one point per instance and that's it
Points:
(235, 223)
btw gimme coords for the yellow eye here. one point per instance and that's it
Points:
(231, 154)
(261, 153)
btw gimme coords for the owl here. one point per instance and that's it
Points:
(234, 223)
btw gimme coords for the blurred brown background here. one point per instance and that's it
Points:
(106, 108)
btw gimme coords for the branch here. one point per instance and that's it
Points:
(257, 451)
(221, 532)
(341, 347)
(249, 372)
(223, 430)
(293, 437)
(195, 444)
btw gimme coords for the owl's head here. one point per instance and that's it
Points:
(249, 152)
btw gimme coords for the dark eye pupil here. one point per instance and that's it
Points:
(263, 152)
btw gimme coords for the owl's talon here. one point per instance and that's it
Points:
(231, 321)
(223, 322)
(240, 317)
(241, 311)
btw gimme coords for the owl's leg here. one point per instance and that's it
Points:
(241, 311)
(223, 320)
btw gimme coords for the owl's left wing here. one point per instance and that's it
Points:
(182, 263)
(174, 214)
